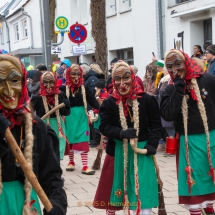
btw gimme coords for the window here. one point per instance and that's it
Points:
(24, 28)
(208, 30)
(126, 55)
(16, 31)
(110, 8)
(181, 1)
(172, 3)
(83, 12)
(125, 5)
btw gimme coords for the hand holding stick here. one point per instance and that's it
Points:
(133, 143)
(27, 170)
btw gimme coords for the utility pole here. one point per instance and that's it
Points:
(46, 32)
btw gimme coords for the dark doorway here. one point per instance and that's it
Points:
(208, 30)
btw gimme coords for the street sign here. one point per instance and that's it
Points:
(79, 49)
(55, 50)
(77, 33)
(61, 22)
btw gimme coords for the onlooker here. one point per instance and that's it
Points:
(63, 66)
(160, 73)
(98, 70)
(138, 79)
(109, 85)
(204, 59)
(34, 85)
(205, 45)
(30, 70)
(197, 51)
(42, 69)
(210, 55)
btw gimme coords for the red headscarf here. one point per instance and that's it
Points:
(15, 115)
(193, 70)
(55, 89)
(69, 82)
(134, 93)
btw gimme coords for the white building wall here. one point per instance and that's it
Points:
(4, 37)
(132, 29)
(32, 8)
(191, 24)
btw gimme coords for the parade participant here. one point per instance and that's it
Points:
(197, 51)
(37, 141)
(77, 123)
(189, 102)
(128, 179)
(49, 97)
(149, 81)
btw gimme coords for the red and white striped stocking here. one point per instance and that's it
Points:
(71, 157)
(84, 159)
(195, 211)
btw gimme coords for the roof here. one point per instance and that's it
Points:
(4, 6)
(16, 6)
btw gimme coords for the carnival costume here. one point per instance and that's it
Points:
(77, 123)
(190, 103)
(128, 179)
(36, 140)
(46, 101)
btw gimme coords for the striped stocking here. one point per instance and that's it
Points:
(195, 211)
(84, 159)
(71, 157)
(110, 212)
(209, 208)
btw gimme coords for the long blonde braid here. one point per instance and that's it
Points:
(205, 123)
(84, 98)
(45, 104)
(28, 152)
(124, 125)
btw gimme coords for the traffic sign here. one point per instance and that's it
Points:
(55, 50)
(77, 33)
(79, 50)
(61, 22)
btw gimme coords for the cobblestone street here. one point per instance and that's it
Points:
(81, 188)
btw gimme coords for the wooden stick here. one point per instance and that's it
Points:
(27, 170)
(133, 143)
(53, 110)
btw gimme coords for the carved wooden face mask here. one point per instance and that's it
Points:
(123, 80)
(75, 75)
(48, 82)
(10, 84)
(175, 65)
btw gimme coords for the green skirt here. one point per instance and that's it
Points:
(77, 127)
(13, 197)
(62, 140)
(199, 163)
(148, 186)
(97, 123)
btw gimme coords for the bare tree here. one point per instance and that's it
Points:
(97, 8)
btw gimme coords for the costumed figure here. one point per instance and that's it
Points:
(190, 102)
(77, 123)
(36, 140)
(128, 180)
(149, 81)
(49, 97)
(160, 73)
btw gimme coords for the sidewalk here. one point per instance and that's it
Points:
(81, 188)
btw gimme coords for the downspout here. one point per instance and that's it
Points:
(31, 29)
(8, 33)
(160, 28)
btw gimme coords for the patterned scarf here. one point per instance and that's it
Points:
(69, 81)
(15, 115)
(55, 90)
(134, 93)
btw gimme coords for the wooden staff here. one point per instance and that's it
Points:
(27, 170)
(53, 110)
(97, 162)
(161, 207)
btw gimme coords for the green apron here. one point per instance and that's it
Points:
(199, 163)
(62, 140)
(148, 186)
(13, 197)
(97, 123)
(77, 127)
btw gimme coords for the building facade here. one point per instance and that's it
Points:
(189, 23)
